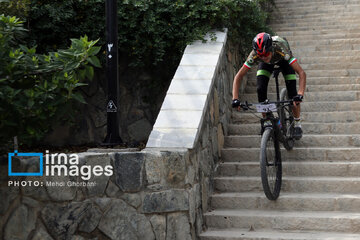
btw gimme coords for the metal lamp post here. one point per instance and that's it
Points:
(112, 74)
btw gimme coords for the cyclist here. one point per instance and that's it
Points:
(269, 51)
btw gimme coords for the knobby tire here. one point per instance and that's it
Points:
(270, 164)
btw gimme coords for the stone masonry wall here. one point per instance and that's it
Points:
(153, 194)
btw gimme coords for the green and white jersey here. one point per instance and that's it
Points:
(280, 49)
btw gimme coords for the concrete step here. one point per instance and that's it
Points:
(344, 185)
(323, 41)
(312, 96)
(330, 60)
(309, 88)
(303, 54)
(313, 8)
(315, 25)
(290, 14)
(287, 201)
(308, 2)
(308, 140)
(298, 32)
(281, 7)
(284, 221)
(320, 154)
(308, 128)
(286, 19)
(252, 169)
(310, 12)
(278, 15)
(279, 19)
(308, 24)
(292, 38)
(307, 117)
(265, 234)
(333, 47)
(305, 6)
(328, 66)
(301, 4)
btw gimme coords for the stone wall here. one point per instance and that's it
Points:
(151, 195)
(157, 193)
(136, 115)
(101, 207)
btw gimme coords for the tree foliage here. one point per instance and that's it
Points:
(52, 23)
(149, 30)
(19, 8)
(36, 89)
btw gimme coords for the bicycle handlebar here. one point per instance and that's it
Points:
(246, 105)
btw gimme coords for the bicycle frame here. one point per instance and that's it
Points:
(276, 124)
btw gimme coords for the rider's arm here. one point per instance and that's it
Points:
(302, 77)
(251, 59)
(237, 81)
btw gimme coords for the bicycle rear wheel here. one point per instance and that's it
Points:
(286, 119)
(270, 165)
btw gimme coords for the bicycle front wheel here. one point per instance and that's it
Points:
(270, 164)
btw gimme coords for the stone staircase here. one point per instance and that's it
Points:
(320, 196)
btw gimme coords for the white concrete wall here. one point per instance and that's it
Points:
(181, 115)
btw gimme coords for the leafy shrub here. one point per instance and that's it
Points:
(36, 89)
(52, 23)
(19, 8)
(149, 31)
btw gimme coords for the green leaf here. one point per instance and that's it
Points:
(94, 50)
(81, 84)
(94, 61)
(77, 96)
(31, 103)
(89, 72)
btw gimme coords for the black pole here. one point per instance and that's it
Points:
(112, 73)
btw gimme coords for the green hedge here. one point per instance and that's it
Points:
(148, 29)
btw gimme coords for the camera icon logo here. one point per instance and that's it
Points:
(17, 154)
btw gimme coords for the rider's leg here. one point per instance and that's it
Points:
(296, 111)
(292, 92)
(290, 81)
(262, 78)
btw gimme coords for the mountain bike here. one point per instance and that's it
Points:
(280, 130)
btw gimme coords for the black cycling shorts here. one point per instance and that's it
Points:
(263, 75)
